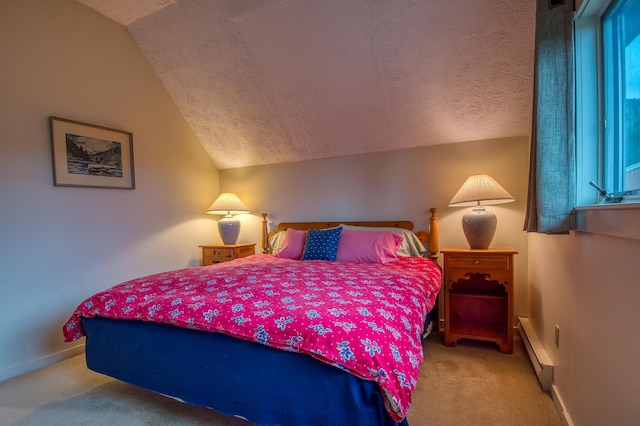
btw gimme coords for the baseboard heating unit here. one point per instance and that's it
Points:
(538, 356)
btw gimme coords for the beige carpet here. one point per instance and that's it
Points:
(475, 384)
(471, 384)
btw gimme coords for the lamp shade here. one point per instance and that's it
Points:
(228, 204)
(480, 190)
(479, 225)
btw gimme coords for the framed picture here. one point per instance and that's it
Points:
(91, 156)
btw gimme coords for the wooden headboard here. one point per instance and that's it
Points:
(429, 239)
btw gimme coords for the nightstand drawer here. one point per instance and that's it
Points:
(246, 251)
(219, 253)
(485, 262)
(222, 253)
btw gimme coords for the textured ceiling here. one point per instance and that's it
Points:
(272, 81)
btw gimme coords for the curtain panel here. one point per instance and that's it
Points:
(552, 167)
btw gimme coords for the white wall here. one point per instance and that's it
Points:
(59, 245)
(391, 185)
(588, 285)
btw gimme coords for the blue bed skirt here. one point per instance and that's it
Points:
(234, 377)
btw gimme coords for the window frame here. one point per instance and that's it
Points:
(590, 106)
(592, 214)
(615, 153)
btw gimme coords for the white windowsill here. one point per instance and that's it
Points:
(617, 220)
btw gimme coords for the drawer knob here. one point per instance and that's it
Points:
(476, 261)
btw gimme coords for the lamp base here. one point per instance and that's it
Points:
(229, 229)
(479, 226)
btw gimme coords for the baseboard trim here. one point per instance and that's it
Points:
(26, 367)
(560, 407)
(539, 359)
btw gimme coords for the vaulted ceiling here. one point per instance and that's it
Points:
(272, 81)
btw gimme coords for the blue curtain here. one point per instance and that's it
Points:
(551, 197)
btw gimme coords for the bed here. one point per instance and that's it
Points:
(275, 339)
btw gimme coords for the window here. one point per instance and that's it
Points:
(607, 43)
(622, 95)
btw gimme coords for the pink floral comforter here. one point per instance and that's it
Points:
(364, 318)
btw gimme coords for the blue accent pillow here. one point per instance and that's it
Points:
(322, 244)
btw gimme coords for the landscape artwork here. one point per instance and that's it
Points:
(91, 156)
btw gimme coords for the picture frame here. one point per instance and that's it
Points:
(91, 156)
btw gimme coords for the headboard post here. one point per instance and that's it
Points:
(265, 234)
(434, 249)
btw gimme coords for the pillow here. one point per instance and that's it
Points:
(275, 242)
(411, 245)
(368, 246)
(321, 244)
(293, 244)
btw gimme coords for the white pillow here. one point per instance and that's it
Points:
(275, 242)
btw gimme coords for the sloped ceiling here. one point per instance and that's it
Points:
(272, 81)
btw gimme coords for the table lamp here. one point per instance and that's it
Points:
(228, 204)
(479, 225)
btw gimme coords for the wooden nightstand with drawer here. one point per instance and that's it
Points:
(212, 254)
(478, 295)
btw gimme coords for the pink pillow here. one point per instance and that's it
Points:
(293, 244)
(368, 246)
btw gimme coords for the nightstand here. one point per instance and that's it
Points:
(221, 253)
(478, 295)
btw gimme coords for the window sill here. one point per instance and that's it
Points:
(616, 220)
